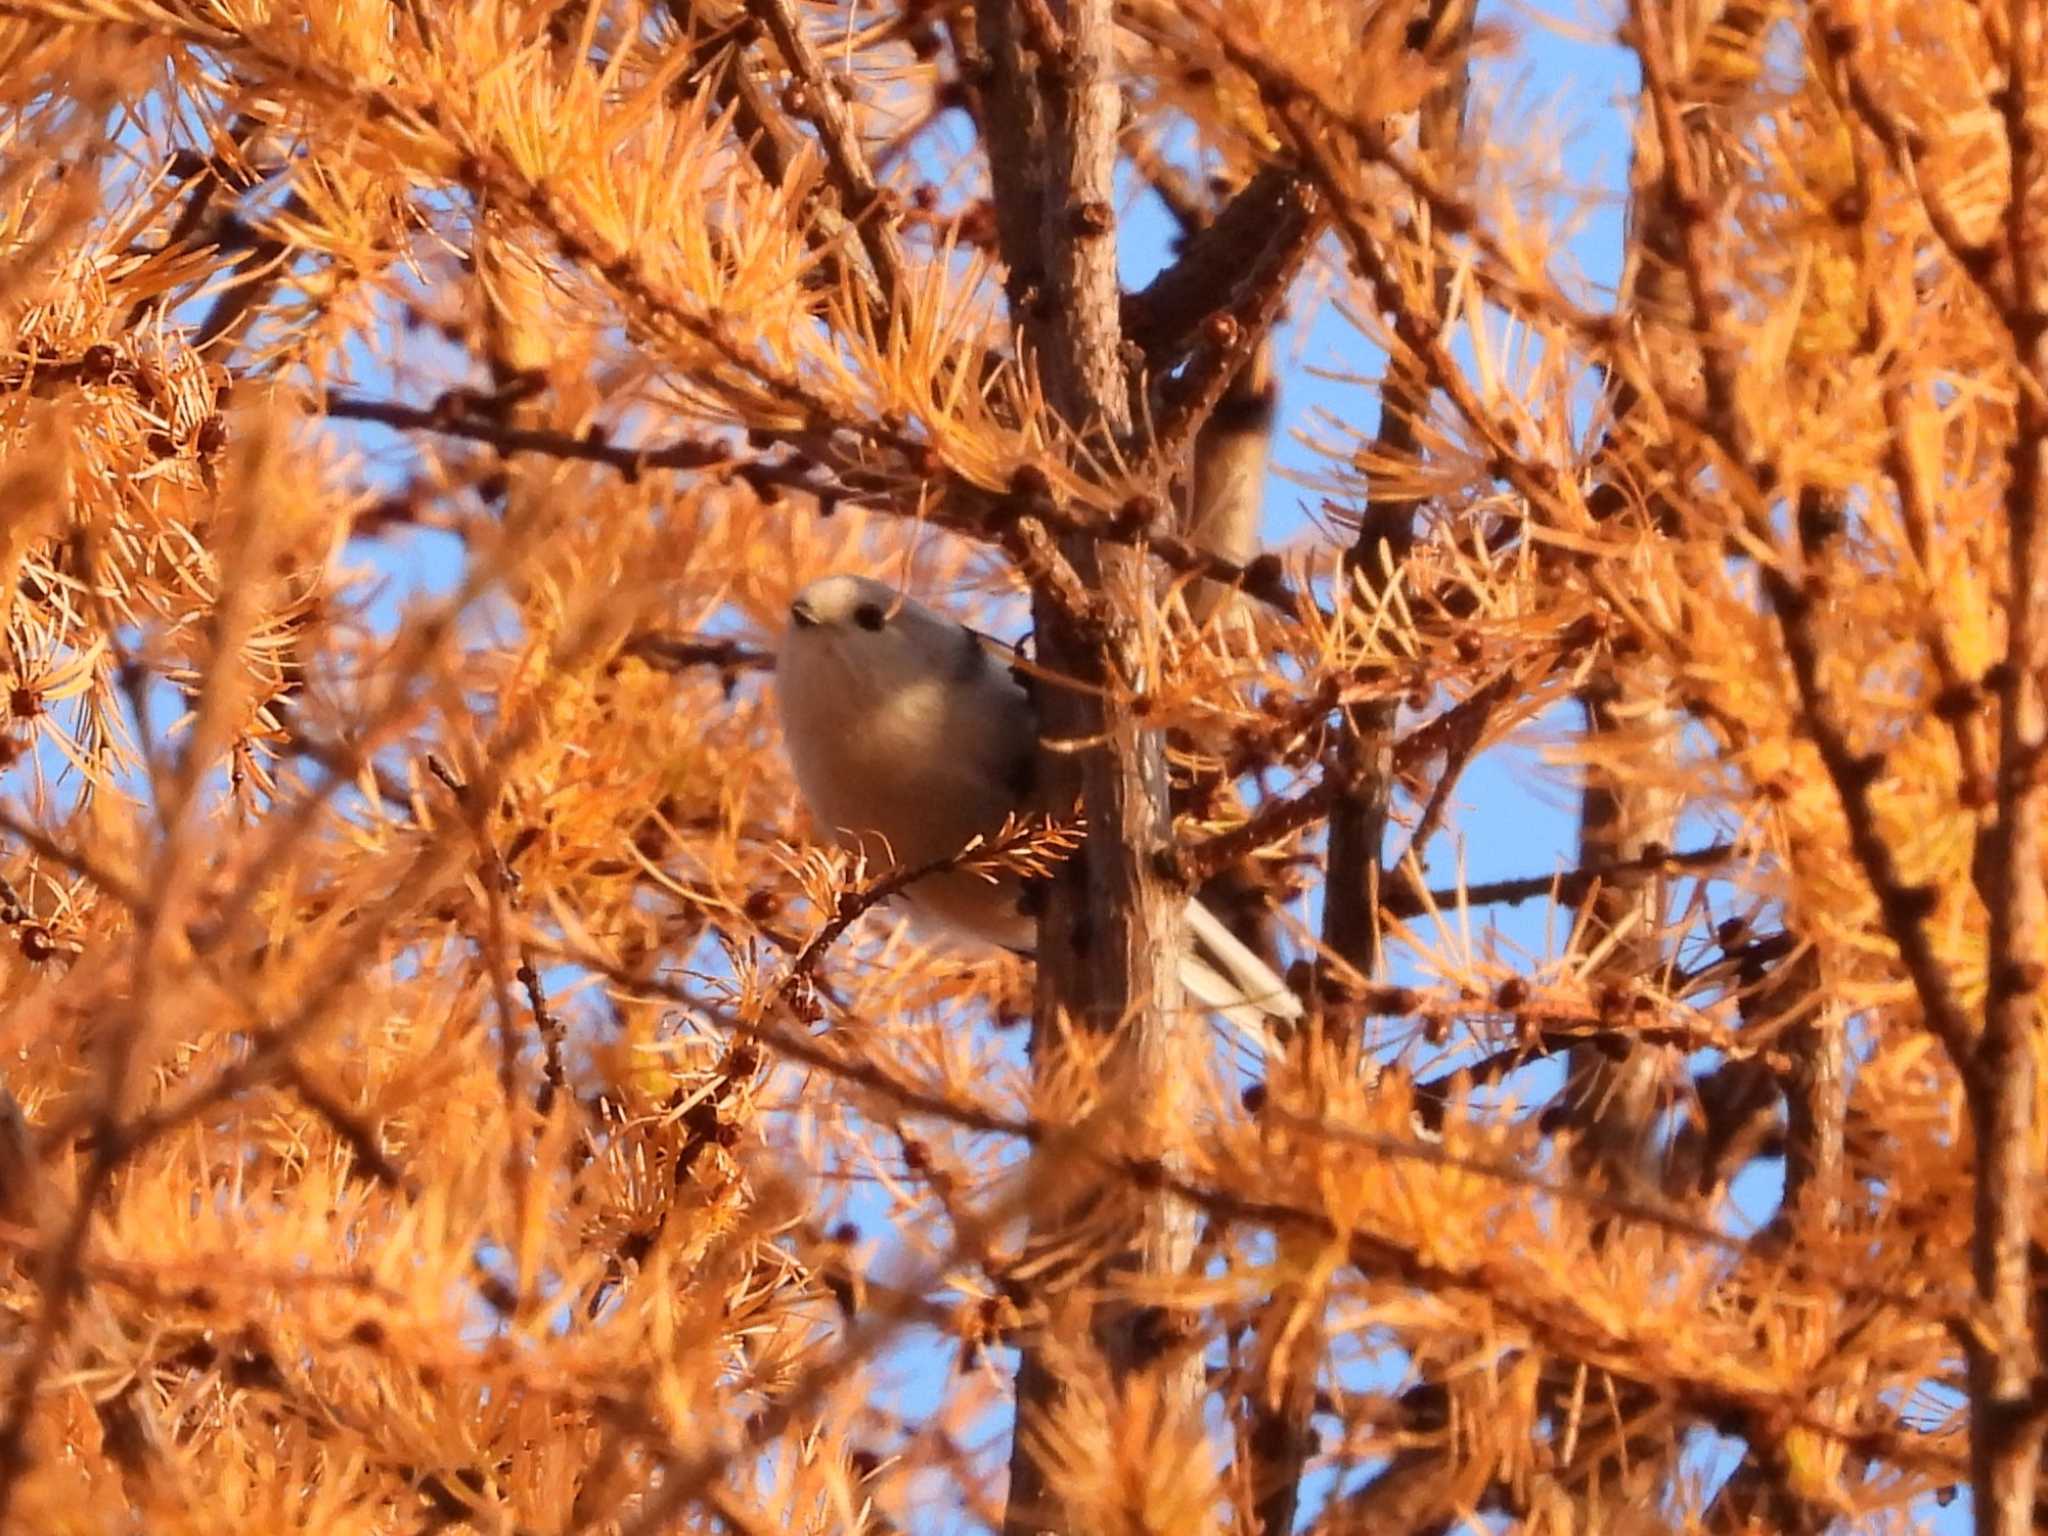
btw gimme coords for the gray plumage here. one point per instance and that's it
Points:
(910, 736)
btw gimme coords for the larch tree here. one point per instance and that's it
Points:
(451, 1086)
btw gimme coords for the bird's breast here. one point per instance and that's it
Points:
(904, 765)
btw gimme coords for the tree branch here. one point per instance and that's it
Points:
(1108, 951)
(818, 100)
(2006, 1424)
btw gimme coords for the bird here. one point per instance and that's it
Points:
(910, 736)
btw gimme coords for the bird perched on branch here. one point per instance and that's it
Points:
(911, 737)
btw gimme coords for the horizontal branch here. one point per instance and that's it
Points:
(466, 415)
(1570, 886)
(968, 510)
(672, 653)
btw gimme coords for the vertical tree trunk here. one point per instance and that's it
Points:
(1109, 941)
(2006, 1422)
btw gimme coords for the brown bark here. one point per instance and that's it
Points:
(1108, 942)
(2006, 1422)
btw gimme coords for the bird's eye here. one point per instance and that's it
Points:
(869, 616)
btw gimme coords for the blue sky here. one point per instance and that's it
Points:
(1515, 812)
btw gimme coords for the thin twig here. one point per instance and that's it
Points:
(818, 100)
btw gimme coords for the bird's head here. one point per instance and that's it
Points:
(856, 633)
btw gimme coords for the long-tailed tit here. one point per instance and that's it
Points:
(910, 737)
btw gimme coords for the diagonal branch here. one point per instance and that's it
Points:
(1255, 230)
(818, 99)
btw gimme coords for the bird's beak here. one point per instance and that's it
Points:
(800, 614)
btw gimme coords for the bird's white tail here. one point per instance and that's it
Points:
(1220, 971)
